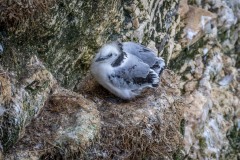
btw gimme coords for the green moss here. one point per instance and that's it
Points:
(227, 116)
(140, 5)
(202, 144)
(233, 136)
(14, 123)
(191, 2)
(178, 155)
(11, 130)
(238, 61)
(222, 35)
(185, 54)
(214, 156)
(182, 126)
(34, 89)
(178, 35)
(135, 39)
(145, 38)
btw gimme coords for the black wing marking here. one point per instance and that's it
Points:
(119, 60)
(150, 79)
(134, 75)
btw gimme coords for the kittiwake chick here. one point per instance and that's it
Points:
(125, 69)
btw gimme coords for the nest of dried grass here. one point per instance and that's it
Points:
(147, 140)
(147, 127)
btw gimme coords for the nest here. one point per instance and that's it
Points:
(147, 127)
(103, 126)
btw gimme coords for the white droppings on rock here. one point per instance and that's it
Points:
(139, 32)
(190, 33)
(226, 17)
(128, 26)
(209, 138)
(215, 65)
(1, 48)
(205, 51)
(137, 12)
(38, 146)
(2, 110)
(204, 20)
(226, 80)
(206, 128)
(17, 108)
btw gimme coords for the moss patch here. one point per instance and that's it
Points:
(233, 136)
(185, 54)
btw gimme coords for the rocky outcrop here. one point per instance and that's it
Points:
(45, 57)
(66, 37)
(210, 79)
(66, 125)
(22, 100)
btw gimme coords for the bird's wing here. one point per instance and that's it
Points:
(145, 54)
(133, 74)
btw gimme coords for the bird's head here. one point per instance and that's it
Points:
(107, 54)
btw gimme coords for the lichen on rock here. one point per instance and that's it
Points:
(22, 100)
(209, 78)
(66, 126)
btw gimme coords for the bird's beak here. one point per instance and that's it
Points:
(100, 59)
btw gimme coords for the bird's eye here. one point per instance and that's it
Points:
(110, 55)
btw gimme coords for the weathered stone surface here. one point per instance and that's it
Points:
(69, 34)
(64, 38)
(22, 100)
(211, 113)
(183, 8)
(66, 125)
(197, 22)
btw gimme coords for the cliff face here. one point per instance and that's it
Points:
(47, 45)
(50, 106)
(210, 78)
(66, 36)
